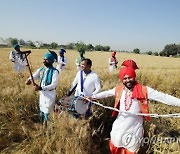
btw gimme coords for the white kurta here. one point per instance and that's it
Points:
(61, 64)
(48, 93)
(112, 65)
(127, 130)
(18, 60)
(91, 84)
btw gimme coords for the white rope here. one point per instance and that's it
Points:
(155, 115)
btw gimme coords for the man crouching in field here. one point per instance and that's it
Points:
(47, 88)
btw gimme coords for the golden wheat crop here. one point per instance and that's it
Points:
(20, 131)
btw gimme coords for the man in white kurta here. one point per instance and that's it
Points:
(127, 129)
(62, 60)
(47, 87)
(18, 59)
(113, 62)
(89, 79)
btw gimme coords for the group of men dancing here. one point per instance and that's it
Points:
(130, 96)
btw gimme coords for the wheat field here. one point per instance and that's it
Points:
(20, 129)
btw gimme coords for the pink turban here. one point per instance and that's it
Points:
(130, 63)
(127, 71)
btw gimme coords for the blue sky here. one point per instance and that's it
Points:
(122, 24)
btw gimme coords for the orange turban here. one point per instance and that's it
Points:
(127, 71)
(130, 63)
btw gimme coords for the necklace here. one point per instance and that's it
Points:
(128, 100)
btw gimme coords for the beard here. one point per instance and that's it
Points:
(129, 84)
(47, 64)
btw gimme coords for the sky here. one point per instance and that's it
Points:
(148, 25)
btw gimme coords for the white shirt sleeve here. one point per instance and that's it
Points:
(75, 81)
(97, 86)
(105, 94)
(58, 64)
(11, 56)
(36, 75)
(163, 98)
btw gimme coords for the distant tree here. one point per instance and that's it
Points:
(14, 41)
(178, 49)
(70, 46)
(106, 48)
(149, 52)
(90, 47)
(156, 53)
(22, 42)
(137, 51)
(46, 45)
(54, 45)
(31, 44)
(162, 53)
(81, 47)
(63, 46)
(98, 48)
(170, 49)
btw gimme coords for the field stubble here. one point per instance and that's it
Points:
(20, 131)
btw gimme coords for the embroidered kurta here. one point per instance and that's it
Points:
(91, 84)
(19, 61)
(61, 64)
(48, 93)
(127, 130)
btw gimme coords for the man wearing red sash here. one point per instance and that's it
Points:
(113, 62)
(131, 98)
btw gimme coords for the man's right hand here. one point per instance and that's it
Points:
(28, 82)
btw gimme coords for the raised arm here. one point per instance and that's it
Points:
(104, 94)
(162, 97)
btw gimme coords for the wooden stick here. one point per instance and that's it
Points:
(28, 52)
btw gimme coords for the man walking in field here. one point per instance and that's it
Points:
(86, 83)
(18, 59)
(47, 88)
(132, 97)
(113, 62)
(62, 61)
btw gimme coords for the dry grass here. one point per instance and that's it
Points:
(20, 131)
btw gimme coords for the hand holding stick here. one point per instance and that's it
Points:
(26, 53)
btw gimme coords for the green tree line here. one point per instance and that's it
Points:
(168, 51)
